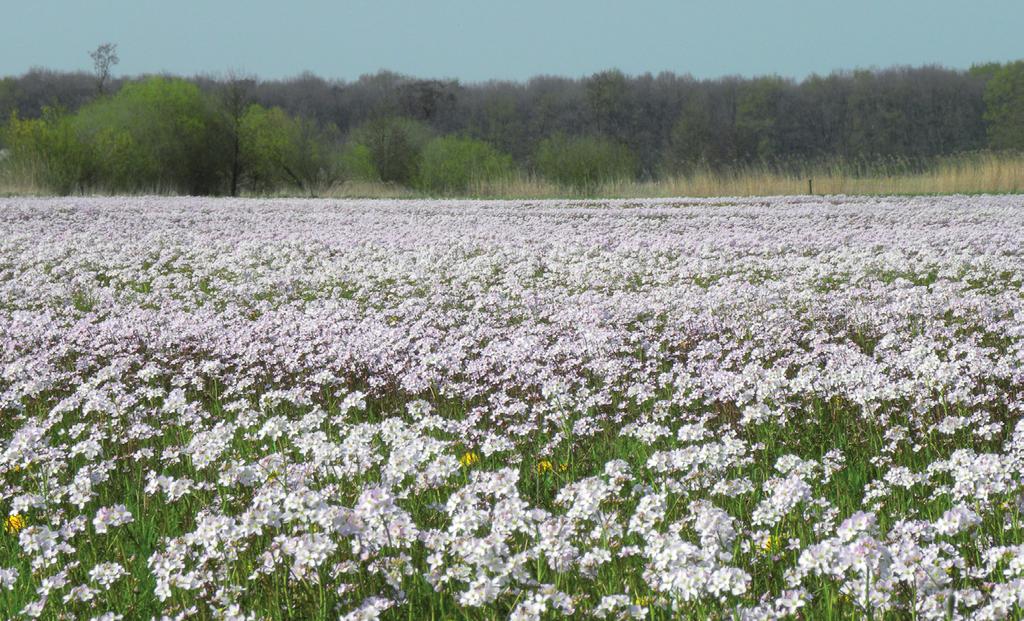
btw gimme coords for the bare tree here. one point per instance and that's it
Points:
(103, 58)
(234, 96)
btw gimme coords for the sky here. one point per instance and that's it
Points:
(478, 40)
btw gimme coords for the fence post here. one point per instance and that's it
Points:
(810, 186)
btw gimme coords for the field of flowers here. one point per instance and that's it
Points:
(755, 409)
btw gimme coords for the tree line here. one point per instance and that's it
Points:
(229, 134)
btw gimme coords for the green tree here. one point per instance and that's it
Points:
(690, 142)
(985, 71)
(607, 103)
(158, 134)
(1004, 107)
(757, 110)
(453, 164)
(584, 163)
(276, 149)
(395, 145)
(498, 122)
(267, 150)
(356, 162)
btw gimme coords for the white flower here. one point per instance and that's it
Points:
(8, 577)
(105, 574)
(957, 519)
(107, 517)
(80, 593)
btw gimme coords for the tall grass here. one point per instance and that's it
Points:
(973, 173)
(17, 179)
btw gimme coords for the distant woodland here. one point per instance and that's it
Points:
(233, 134)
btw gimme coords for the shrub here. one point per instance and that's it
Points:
(158, 134)
(452, 164)
(277, 149)
(584, 163)
(166, 136)
(48, 153)
(395, 146)
(356, 163)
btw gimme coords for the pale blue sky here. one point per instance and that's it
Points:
(476, 40)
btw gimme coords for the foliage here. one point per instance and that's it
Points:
(454, 164)
(48, 151)
(356, 163)
(671, 124)
(690, 140)
(232, 100)
(166, 135)
(1004, 100)
(757, 118)
(584, 162)
(608, 106)
(280, 150)
(160, 134)
(897, 112)
(267, 148)
(395, 146)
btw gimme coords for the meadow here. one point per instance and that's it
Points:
(746, 408)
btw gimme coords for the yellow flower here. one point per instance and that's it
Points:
(770, 544)
(642, 600)
(544, 466)
(14, 523)
(468, 459)
(562, 467)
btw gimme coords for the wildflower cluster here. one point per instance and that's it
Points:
(797, 408)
